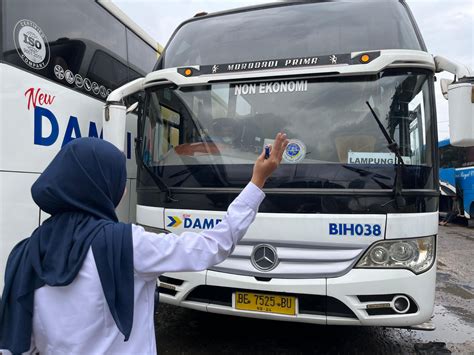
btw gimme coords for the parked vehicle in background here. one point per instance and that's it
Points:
(456, 175)
(59, 61)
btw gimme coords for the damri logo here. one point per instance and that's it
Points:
(175, 221)
(49, 126)
(193, 223)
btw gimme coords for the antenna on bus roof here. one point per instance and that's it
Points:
(199, 14)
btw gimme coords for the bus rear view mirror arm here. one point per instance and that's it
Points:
(120, 93)
(458, 69)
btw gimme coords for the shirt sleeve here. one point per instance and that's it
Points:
(155, 254)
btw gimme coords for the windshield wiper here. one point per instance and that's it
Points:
(394, 148)
(373, 176)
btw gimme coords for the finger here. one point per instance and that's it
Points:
(279, 157)
(277, 144)
(285, 144)
(284, 141)
(281, 145)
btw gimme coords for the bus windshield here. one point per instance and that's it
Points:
(291, 31)
(327, 120)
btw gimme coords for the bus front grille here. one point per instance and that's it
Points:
(294, 262)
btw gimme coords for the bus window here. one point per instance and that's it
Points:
(243, 108)
(67, 46)
(456, 157)
(140, 55)
(329, 116)
(270, 33)
(220, 101)
(469, 160)
(105, 69)
(171, 120)
(162, 128)
(450, 157)
(417, 139)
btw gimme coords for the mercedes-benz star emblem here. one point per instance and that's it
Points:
(264, 257)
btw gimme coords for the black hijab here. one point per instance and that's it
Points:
(79, 189)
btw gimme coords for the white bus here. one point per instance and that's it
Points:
(347, 232)
(59, 61)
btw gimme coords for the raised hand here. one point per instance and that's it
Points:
(263, 168)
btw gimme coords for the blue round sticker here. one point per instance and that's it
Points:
(295, 151)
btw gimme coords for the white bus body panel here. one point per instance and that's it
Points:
(411, 225)
(22, 161)
(373, 282)
(345, 288)
(300, 229)
(306, 230)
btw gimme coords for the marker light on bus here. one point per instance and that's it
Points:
(365, 58)
(415, 254)
(188, 72)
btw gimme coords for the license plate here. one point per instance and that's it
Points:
(265, 303)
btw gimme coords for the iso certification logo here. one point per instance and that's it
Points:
(31, 44)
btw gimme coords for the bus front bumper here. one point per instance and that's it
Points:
(360, 297)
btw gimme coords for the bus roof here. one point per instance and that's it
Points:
(194, 41)
(274, 4)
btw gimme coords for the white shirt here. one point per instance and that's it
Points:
(75, 319)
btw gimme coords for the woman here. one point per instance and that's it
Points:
(83, 282)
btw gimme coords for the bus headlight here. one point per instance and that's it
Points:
(415, 254)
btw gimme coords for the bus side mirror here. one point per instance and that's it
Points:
(115, 113)
(461, 112)
(114, 122)
(444, 84)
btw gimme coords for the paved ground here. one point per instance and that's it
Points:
(182, 331)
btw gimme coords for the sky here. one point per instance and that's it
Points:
(447, 27)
